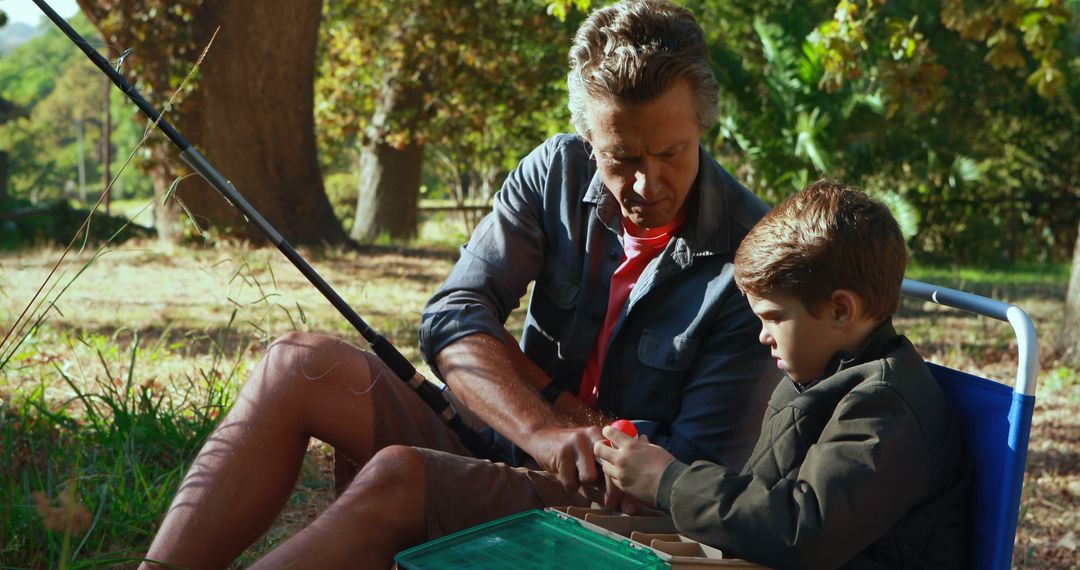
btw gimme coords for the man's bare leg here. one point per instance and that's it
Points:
(381, 513)
(305, 385)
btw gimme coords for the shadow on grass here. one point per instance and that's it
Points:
(221, 341)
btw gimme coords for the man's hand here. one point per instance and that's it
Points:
(568, 453)
(633, 465)
(616, 499)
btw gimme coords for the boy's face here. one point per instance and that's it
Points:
(648, 154)
(801, 343)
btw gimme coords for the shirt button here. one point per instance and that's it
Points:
(614, 255)
(671, 359)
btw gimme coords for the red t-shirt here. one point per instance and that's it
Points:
(640, 246)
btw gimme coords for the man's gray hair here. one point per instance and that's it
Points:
(632, 52)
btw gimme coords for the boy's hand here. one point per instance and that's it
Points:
(633, 465)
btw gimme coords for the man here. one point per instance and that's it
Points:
(628, 233)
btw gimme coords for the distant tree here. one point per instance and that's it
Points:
(49, 90)
(250, 110)
(473, 83)
(29, 72)
(1068, 341)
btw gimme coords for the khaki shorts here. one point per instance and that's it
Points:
(462, 491)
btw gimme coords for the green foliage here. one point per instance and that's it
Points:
(445, 230)
(907, 217)
(164, 44)
(94, 427)
(56, 223)
(490, 87)
(961, 116)
(161, 34)
(30, 72)
(1063, 380)
(1018, 280)
(561, 9)
(341, 189)
(60, 95)
(122, 443)
(930, 106)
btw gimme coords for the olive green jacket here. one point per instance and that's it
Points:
(865, 469)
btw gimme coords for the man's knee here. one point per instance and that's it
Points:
(310, 361)
(398, 466)
(396, 474)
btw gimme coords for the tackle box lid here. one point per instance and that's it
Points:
(531, 540)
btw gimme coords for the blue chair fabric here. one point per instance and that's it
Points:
(997, 425)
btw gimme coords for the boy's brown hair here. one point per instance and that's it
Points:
(828, 236)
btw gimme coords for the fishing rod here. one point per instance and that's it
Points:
(432, 395)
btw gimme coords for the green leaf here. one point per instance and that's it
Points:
(907, 216)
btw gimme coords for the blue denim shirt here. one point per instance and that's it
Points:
(683, 361)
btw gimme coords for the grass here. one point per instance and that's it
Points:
(113, 393)
(121, 447)
(1020, 281)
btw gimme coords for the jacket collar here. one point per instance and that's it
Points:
(707, 230)
(880, 342)
(827, 391)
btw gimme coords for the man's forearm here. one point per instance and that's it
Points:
(567, 404)
(501, 385)
(481, 372)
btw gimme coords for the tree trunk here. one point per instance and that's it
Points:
(106, 144)
(168, 221)
(389, 191)
(254, 119)
(250, 113)
(1068, 341)
(82, 160)
(390, 175)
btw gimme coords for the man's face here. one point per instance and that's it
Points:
(801, 343)
(648, 154)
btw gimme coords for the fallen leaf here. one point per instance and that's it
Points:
(1068, 541)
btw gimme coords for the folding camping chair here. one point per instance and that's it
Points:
(996, 419)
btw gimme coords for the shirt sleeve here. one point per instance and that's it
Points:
(869, 467)
(504, 254)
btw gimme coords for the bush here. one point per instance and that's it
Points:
(342, 189)
(23, 224)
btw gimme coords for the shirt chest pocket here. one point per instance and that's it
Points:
(654, 385)
(666, 352)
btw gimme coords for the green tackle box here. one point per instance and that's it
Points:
(531, 540)
(569, 537)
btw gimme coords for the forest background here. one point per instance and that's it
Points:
(380, 130)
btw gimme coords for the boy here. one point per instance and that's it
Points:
(859, 462)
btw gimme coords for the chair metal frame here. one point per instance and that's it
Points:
(997, 422)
